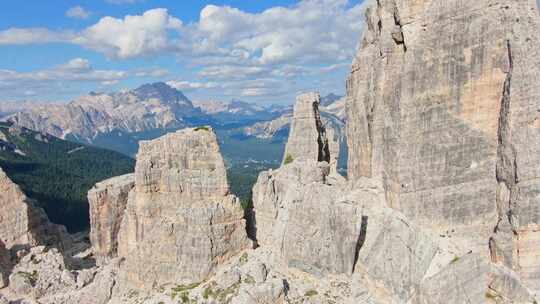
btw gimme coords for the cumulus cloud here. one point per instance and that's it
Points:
(312, 39)
(312, 30)
(226, 45)
(132, 36)
(77, 12)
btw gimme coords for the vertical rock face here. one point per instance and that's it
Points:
(323, 226)
(22, 222)
(443, 107)
(180, 222)
(307, 137)
(298, 217)
(296, 209)
(108, 201)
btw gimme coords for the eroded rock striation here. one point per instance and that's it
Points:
(108, 201)
(443, 107)
(180, 222)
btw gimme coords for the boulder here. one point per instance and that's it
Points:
(180, 222)
(108, 201)
(41, 272)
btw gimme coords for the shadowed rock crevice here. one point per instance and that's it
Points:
(505, 231)
(361, 239)
(322, 140)
(397, 34)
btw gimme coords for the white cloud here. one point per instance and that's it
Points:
(152, 72)
(312, 30)
(188, 85)
(132, 36)
(77, 12)
(232, 72)
(76, 71)
(77, 64)
(33, 36)
(309, 40)
(251, 92)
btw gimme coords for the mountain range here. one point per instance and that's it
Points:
(252, 138)
(119, 120)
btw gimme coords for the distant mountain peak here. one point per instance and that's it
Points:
(161, 91)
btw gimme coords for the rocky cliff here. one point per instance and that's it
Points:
(443, 107)
(108, 201)
(180, 222)
(325, 226)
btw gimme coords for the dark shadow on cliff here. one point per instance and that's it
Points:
(249, 216)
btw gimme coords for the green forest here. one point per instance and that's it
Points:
(58, 173)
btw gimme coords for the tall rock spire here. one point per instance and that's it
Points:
(180, 222)
(307, 137)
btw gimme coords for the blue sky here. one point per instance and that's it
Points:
(261, 51)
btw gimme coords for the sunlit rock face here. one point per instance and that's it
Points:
(307, 138)
(108, 201)
(316, 223)
(180, 222)
(443, 107)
